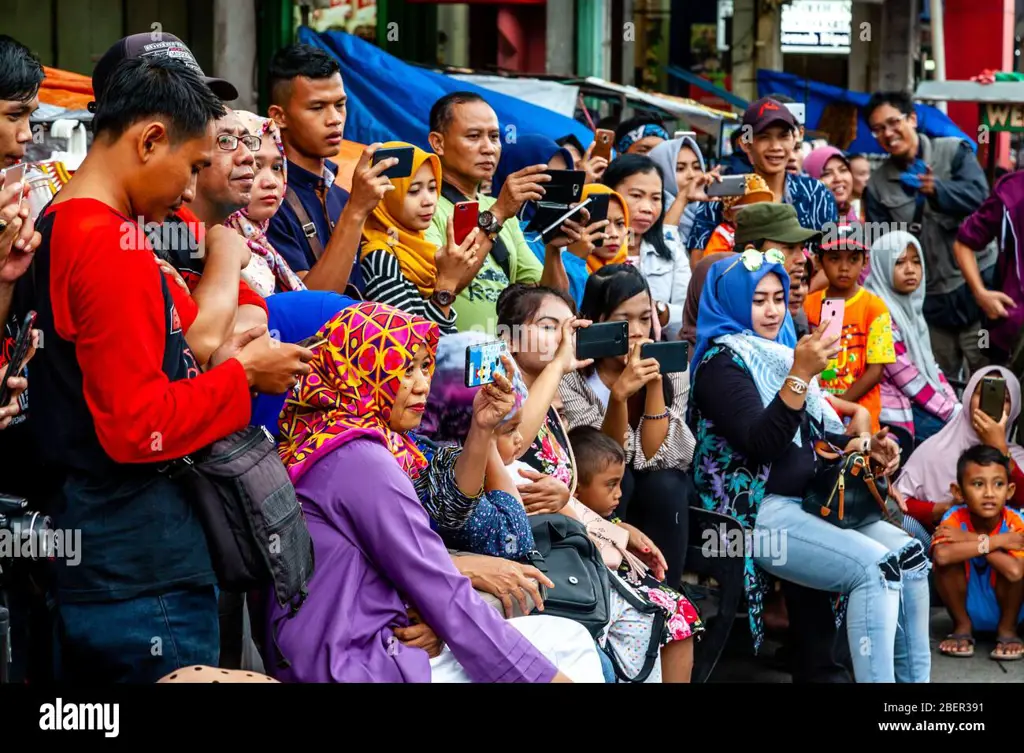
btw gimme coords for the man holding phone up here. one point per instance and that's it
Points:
(464, 134)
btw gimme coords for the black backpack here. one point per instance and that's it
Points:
(253, 522)
(573, 563)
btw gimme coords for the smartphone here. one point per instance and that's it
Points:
(833, 310)
(21, 347)
(681, 134)
(604, 340)
(482, 360)
(603, 140)
(15, 174)
(671, 356)
(730, 185)
(565, 186)
(466, 216)
(553, 230)
(598, 209)
(993, 397)
(799, 111)
(404, 154)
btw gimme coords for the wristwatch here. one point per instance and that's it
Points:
(662, 309)
(487, 222)
(443, 298)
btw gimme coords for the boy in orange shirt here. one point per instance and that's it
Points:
(867, 343)
(978, 552)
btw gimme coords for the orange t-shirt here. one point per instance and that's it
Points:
(722, 240)
(866, 339)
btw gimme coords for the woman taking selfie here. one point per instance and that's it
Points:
(631, 401)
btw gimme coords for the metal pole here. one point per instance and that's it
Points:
(938, 45)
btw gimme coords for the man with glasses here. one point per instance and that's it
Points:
(929, 186)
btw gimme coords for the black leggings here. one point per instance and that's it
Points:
(657, 502)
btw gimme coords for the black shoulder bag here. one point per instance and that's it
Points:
(846, 491)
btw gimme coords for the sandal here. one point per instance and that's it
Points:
(1002, 642)
(962, 654)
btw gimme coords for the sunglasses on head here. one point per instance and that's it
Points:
(752, 260)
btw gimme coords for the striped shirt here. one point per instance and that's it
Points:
(814, 204)
(903, 384)
(385, 283)
(581, 406)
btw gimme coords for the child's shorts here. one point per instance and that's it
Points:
(982, 606)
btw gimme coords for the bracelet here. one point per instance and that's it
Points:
(799, 386)
(656, 418)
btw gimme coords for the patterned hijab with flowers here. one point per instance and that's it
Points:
(351, 388)
(255, 234)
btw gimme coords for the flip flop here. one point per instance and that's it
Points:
(1006, 641)
(959, 654)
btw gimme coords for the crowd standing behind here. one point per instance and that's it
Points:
(342, 322)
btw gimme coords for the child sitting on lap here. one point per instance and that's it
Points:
(978, 551)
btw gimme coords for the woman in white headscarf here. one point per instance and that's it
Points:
(681, 164)
(915, 393)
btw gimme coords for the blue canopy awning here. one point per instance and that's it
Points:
(389, 99)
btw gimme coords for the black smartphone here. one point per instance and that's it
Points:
(553, 230)
(565, 186)
(404, 154)
(598, 209)
(21, 346)
(672, 357)
(993, 397)
(604, 340)
(730, 185)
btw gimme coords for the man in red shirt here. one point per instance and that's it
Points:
(118, 394)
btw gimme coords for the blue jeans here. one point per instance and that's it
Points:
(137, 640)
(925, 424)
(882, 569)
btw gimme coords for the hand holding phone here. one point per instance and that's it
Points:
(672, 357)
(727, 185)
(833, 310)
(404, 155)
(13, 175)
(603, 140)
(993, 397)
(639, 372)
(465, 219)
(604, 340)
(24, 349)
(483, 360)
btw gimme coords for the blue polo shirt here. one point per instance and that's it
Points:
(285, 231)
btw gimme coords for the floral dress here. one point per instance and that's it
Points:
(550, 453)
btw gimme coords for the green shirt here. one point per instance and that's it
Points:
(475, 305)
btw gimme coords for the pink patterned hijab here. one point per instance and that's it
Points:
(255, 234)
(352, 385)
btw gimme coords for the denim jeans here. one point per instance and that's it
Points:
(925, 424)
(137, 640)
(882, 569)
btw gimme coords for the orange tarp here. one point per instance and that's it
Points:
(66, 89)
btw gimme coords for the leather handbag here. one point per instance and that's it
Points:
(847, 491)
(570, 560)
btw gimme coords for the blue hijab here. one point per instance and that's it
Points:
(724, 317)
(528, 149)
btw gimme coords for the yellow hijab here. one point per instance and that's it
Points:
(414, 252)
(594, 263)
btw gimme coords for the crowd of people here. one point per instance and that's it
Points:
(263, 293)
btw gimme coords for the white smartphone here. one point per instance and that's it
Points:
(799, 110)
(15, 174)
(681, 134)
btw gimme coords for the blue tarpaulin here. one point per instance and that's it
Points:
(817, 97)
(390, 100)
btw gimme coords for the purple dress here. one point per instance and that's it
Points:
(375, 551)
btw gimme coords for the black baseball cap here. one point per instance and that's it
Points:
(145, 46)
(765, 112)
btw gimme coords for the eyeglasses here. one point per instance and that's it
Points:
(752, 260)
(891, 124)
(229, 143)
